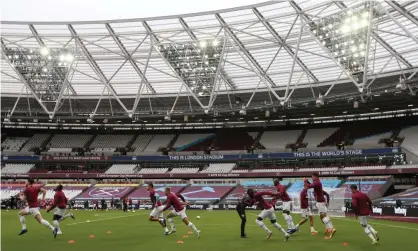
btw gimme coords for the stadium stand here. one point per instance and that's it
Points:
(153, 170)
(371, 141)
(122, 169)
(141, 142)
(219, 168)
(228, 140)
(17, 168)
(111, 141)
(410, 141)
(158, 141)
(13, 144)
(408, 197)
(279, 139)
(184, 170)
(36, 141)
(404, 166)
(69, 141)
(70, 190)
(314, 137)
(10, 189)
(185, 141)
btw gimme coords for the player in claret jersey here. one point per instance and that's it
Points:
(287, 206)
(363, 208)
(305, 210)
(321, 203)
(178, 210)
(60, 204)
(31, 195)
(268, 212)
(157, 207)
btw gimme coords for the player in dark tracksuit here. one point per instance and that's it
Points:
(242, 204)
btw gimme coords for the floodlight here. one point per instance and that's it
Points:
(29, 57)
(16, 56)
(49, 57)
(62, 57)
(44, 51)
(365, 14)
(215, 42)
(203, 44)
(44, 69)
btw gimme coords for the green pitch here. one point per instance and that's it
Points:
(220, 231)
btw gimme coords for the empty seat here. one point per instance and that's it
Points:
(141, 142)
(184, 170)
(35, 141)
(314, 137)
(159, 141)
(111, 141)
(279, 139)
(13, 144)
(219, 168)
(153, 170)
(122, 169)
(17, 168)
(69, 141)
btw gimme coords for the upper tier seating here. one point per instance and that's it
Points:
(404, 166)
(185, 140)
(69, 140)
(411, 139)
(141, 142)
(219, 168)
(103, 150)
(184, 170)
(279, 139)
(17, 168)
(35, 141)
(122, 169)
(153, 170)
(70, 192)
(314, 137)
(372, 140)
(159, 141)
(111, 141)
(13, 144)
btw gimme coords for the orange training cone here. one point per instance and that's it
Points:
(92, 236)
(180, 242)
(185, 236)
(190, 232)
(71, 242)
(345, 243)
(326, 238)
(108, 232)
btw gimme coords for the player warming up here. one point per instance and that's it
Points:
(242, 204)
(31, 195)
(287, 206)
(59, 204)
(268, 212)
(179, 210)
(362, 209)
(157, 207)
(321, 203)
(305, 210)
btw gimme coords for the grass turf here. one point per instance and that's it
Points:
(220, 231)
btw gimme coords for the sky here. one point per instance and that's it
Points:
(88, 10)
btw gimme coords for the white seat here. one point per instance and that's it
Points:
(69, 141)
(219, 168)
(13, 144)
(17, 168)
(122, 169)
(35, 141)
(111, 141)
(153, 170)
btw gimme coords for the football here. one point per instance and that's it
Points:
(198, 217)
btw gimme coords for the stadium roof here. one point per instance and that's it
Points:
(270, 57)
